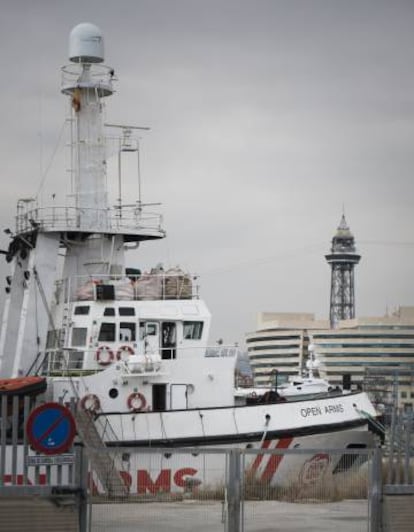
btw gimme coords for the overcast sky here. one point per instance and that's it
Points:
(268, 118)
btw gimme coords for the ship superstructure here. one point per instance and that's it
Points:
(90, 233)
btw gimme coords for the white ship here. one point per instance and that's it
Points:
(128, 346)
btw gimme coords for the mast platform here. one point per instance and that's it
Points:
(134, 223)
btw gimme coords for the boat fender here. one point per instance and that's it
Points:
(104, 355)
(90, 403)
(124, 351)
(136, 402)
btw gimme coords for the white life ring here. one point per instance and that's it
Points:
(136, 402)
(104, 355)
(90, 403)
(124, 352)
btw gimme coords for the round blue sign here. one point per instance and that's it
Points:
(51, 428)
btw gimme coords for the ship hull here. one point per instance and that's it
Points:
(273, 462)
(236, 424)
(164, 449)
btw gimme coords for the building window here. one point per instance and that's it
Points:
(79, 335)
(192, 330)
(107, 332)
(109, 311)
(403, 395)
(82, 310)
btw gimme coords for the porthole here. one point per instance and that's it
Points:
(113, 393)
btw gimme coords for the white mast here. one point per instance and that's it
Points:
(92, 235)
(86, 82)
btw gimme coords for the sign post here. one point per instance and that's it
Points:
(51, 428)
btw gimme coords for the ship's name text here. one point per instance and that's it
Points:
(319, 410)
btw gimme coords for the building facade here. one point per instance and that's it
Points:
(376, 354)
(279, 346)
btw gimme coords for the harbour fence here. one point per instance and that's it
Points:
(242, 490)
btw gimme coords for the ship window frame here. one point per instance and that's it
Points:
(126, 311)
(52, 339)
(111, 328)
(82, 310)
(82, 337)
(193, 330)
(127, 326)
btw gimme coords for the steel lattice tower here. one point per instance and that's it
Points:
(342, 258)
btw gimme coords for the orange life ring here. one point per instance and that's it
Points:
(136, 402)
(104, 355)
(124, 349)
(90, 403)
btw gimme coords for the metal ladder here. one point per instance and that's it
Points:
(102, 461)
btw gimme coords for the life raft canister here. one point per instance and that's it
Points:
(124, 352)
(104, 355)
(136, 402)
(90, 403)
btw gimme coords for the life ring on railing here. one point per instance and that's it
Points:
(104, 355)
(124, 350)
(90, 403)
(136, 402)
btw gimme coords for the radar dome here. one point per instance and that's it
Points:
(86, 44)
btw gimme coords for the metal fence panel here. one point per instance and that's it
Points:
(231, 490)
(326, 490)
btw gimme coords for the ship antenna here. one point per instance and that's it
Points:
(126, 144)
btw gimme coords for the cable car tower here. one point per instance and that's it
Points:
(342, 258)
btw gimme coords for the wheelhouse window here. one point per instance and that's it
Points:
(192, 330)
(147, 329)
(79, 335)
(107, 332)
(126, 311)
(168, 339)
(109, 311)
(127, 332)
(82, 310)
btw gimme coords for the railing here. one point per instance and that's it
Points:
(100, 76)
(164, 285)
(128, 219)
(69, 362)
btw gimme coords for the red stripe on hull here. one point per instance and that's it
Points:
(275, 459)
(258, 460)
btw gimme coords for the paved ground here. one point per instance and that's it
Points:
(345, 516)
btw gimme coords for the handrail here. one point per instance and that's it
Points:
(58, 361)
(380, 428)
(121, 218)
(157, 284)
